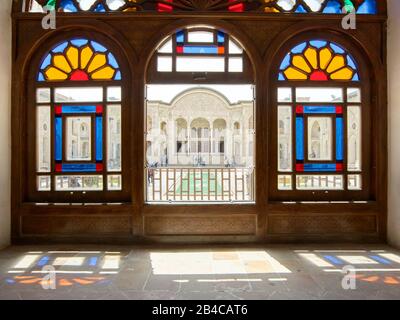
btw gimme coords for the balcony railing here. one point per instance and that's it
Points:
(200, 184)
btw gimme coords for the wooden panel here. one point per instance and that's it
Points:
(75, 225)
(322, 225)
(205, 225)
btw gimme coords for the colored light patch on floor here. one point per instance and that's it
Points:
(391, 256)
(111, 262)
(68, 261)
(314, 259)
(26, 261)
(334, 260)
(358, 260)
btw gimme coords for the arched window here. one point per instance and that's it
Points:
(78, 110)
(319, 115)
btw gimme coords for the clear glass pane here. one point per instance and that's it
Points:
(79, 138)
(236, 64)
(114, 94)
(114, 138)
(353, 95)
(166, 48)
(43, 95)
(114, 182)
(354, 138)
(284, 138)
(79, 183)
(319, 182)
(284, 182)
(164, 64)
(320, 145)
(284, 95)
(43, 139)
(354, 182)
(315, 5)
(44, 183)
(319, 95)
(234, 48)
(92, 94)
(200, 64)
(115, 4)
(201, 36)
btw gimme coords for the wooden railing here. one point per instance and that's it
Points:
(200, 184)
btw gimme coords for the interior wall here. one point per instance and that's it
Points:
(5, 118)
(394, 121)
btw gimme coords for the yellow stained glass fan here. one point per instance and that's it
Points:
(79, 60)
(318, 60)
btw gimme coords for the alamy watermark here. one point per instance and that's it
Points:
(349, 278)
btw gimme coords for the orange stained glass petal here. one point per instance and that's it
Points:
(86, 55)
(294, 74)
(337, 63)
(325, 56)
(65, 283)
(55, 74)
(343, 74)
(73, 57)
(60, 62)
(301, 63)
(311, 55)
(104, 73)
(97, 62)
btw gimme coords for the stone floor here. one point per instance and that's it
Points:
(199, 272)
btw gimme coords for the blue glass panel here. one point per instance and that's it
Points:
(40, 76)
(118, 76)
(337, 49)
(99, 138)
(58, 139)
(368, 7)
(319, 109)
(334, 260)
(79, 42)
(355, 77)
(78, 167)
(100, 8)
(98, 47)
(46, 62)
(78, 109)
(60, 48)
(351, 62)
(339, 139)
(180, 37)
(299, 48)
(380, 259)
(286, 62)
(281, 77)
(68, 6)
(318, 43)
(317, 167)
(333, 6)
(301, 9)
(220, 37)
(112, 61)
(299, 138)
(200, 50)
(43, 261)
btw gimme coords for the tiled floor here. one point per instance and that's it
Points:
(199, 272)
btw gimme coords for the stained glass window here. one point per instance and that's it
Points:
(78, 119)
(200, 50)
(165, 6)
(319, 119)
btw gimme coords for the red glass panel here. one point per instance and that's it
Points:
(318, 76)
(79, 75)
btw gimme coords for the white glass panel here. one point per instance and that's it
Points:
(35, 7)
(200, 64)
(167, 47)
(43, 95)
(320, 138)
(353, 95)
(79, 183)
(354, 138)
(284, 138)
(234, 48)
(114, 94)
(286, 4)
(319, 182)
(43, 139)
(164, 64)
(315, 5)
(354, 182)
(284, 182)
(86, 4)
(284, 95)
(44, 183)
(319, 95)
(236, 64)
(93, 94)
(114, 182)
(115, 4)
(201, 36)
(114, 138)
(79, 138)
